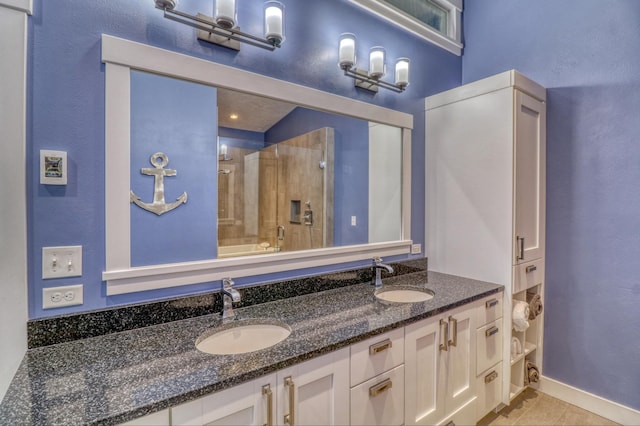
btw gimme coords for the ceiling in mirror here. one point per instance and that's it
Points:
(237, 110)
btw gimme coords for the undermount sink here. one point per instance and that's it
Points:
(401, 294)
(242, 336)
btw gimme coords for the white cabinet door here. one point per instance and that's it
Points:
(440, 364)
(245, 404)
(315, 392)
(459, 366)
(530, 154)
(423, 403)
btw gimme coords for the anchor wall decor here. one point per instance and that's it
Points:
(159, 160)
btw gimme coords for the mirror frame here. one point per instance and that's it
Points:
(120, 56)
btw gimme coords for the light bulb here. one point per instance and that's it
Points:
(274, 22)
(402, 72)
(376, 62)
(225, 13)
(347, 50)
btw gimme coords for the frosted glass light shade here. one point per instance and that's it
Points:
(376, 62)
(402, 72)
(347, 50)
(225, 13)
(274, 22)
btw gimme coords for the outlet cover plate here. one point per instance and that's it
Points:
(416, 248)
(58, 297)
(60, 262)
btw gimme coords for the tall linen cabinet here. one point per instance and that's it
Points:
(485, 201)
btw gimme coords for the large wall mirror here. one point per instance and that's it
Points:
(275, 176)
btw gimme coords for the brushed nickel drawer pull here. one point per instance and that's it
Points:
(444, 336)
(490, 332)
(520, 241)
(530, 268)
(454, 331)
(383, 386)
(380, 346)
(491, 303)
(290, 418)
(266, 391)
(491, 377)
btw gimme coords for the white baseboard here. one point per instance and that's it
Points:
(588, 401)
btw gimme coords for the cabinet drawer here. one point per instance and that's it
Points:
(528, 275)
(379, 401)
(489, 345)
(161, 418)
(489, 386)
(464, 415)
(490, 309)
(376, 355)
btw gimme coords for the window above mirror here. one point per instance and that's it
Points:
(438, 21)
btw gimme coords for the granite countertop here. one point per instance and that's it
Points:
(117, 377)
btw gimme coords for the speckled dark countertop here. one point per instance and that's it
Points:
(117, 377)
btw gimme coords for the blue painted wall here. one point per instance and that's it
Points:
(585, 53)
(176, 118)
(66, 109)
(351, 174)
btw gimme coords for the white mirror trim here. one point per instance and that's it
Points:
(120, 56)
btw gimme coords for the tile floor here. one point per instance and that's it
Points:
(536, 408)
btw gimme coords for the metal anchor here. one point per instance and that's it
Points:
(158, 172)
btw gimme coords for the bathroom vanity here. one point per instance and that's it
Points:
(351, 358)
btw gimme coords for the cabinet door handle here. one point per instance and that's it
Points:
(444, 335)
(451, 423)
(266, 391)
(530, 268)
(491, 377)
(290, 418)
(380, 346)
(454, 331)
(490, 332)
(383, 386)
(520, 241)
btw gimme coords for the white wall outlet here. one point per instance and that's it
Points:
(354, 221)
(57, 297)
(53, 167)
(416, 248)
(59, 262)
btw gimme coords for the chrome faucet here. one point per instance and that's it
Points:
(229, 295)
(378, 266)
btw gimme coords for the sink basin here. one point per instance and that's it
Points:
(401, 294)
(242, 336)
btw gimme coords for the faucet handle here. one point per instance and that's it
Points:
(227, 283)
(377, 260)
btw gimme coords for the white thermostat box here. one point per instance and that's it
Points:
(53, 167)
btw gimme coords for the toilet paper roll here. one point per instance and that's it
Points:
(531, 373)
(520, 315)
(516, 347)
(535, 305)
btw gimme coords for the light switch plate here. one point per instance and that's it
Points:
(59, 262)
(53, 167)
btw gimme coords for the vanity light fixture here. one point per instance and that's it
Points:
(372, 79)
(222, 29)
